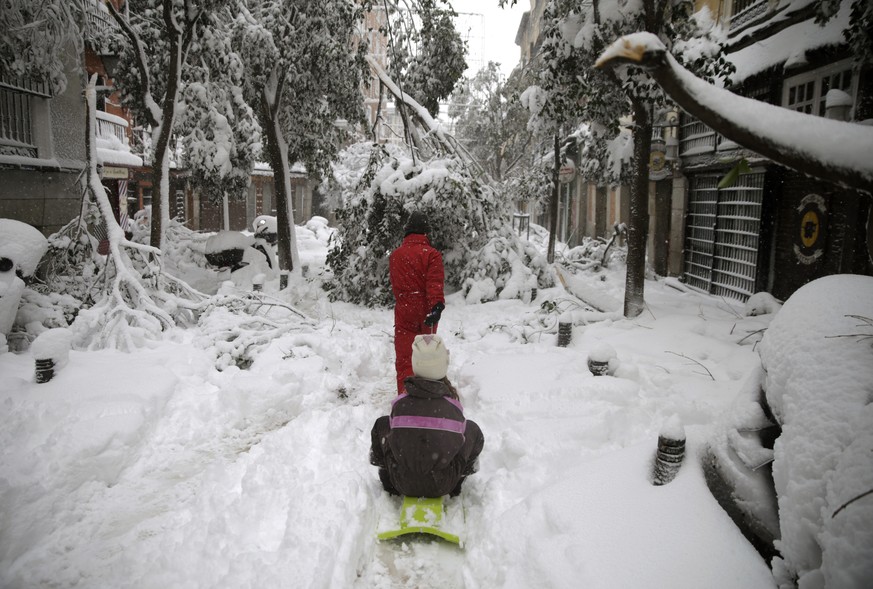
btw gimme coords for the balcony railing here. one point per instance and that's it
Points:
(746, 10)
(99, 22)
(696, 138)
(109, 126)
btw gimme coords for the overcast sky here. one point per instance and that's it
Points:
(497, 42)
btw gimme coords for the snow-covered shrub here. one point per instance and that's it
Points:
(237, 327)
(381, 185)
(505, 267)
(71, 264)
(40, 311)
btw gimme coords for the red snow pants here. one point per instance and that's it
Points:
(409, 314)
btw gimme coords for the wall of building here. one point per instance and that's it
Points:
(45, 192)
(820, 229)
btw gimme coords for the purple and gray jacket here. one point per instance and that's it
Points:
(426, 435)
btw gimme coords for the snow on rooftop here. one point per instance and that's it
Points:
(788, 46)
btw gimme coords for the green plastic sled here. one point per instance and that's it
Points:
(421, 515)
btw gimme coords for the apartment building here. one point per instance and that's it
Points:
(774, 229)
(43, 140)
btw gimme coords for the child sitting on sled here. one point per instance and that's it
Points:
(426, 448)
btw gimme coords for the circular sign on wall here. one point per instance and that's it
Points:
(811, 228)
(567, 172)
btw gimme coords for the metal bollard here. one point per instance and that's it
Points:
(597, 367)
(45, 369)
(668, 460)
(565, 334)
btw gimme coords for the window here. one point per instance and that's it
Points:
(19, 130)
(807, 92)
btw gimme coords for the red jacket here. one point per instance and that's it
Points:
(417, 274)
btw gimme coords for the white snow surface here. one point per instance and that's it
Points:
(155, 469)
(818, 359)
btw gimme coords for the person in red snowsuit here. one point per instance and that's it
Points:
(417, 277)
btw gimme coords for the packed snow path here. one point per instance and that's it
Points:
(156, 470)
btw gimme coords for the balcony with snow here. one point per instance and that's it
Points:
(113, 143)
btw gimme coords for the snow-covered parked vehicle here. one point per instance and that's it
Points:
(243, 256)
(793, 462)
(21, 249)
(264, 227)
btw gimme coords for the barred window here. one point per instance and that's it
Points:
(17, 98)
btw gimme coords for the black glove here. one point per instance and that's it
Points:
(434, 316)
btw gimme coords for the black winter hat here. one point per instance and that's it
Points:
(417, 223)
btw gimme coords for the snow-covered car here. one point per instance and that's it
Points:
(793, 462)
(264, 226)
(22, 247)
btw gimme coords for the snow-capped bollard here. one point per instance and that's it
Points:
(51, 350)
(671, 451)
(258, 282)
(600, 359)
(283, 279)
(565, 333)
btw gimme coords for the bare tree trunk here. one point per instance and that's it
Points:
(553, 201)
(160, 216)
(278, 148)
(638, 223)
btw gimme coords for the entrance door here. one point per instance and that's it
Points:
(722, 234)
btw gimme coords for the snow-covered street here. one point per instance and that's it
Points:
(155, 469)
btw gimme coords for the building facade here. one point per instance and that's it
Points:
(773, 229)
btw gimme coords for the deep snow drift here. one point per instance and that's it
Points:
(156, 469)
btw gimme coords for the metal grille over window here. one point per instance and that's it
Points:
(744, 11)
(696, 137)
(16, 115)
(723, 226)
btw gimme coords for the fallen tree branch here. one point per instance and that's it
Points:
(850, 501)
(693, 360)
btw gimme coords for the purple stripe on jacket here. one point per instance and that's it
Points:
(454, 402)
(420, 422)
